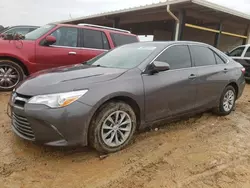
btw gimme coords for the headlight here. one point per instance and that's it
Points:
(57, 100)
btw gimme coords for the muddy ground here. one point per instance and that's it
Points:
(203, 151)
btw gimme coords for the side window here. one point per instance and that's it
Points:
(120, 39)
(22, 31)
(218, 59)
(237, 52)
(247, 54)
(95, 39)
(203, 56)
(32, 29)
(176, 56)
(66, 36)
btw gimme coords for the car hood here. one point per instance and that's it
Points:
(65, 79)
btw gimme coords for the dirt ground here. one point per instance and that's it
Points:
(203, 151)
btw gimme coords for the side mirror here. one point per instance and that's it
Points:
(49, 40)
(158, 66)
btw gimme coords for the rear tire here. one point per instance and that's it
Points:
(113, 127)
(227, 101)
(11, 73)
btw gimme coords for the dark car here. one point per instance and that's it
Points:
(241, 54)
(19, 29)
(103, 102)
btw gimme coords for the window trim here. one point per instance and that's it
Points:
(213, 55)
(189, 56)
(79, 48)
(216, 54)
(145, 71)
(81, 40)
(48, 34)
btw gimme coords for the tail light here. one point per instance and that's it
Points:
(243, 70)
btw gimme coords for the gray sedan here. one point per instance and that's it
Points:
(102, 102)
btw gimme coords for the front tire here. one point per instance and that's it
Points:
(11, 74)
(113, 127)
(227, 101)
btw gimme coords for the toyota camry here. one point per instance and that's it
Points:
(102, 102)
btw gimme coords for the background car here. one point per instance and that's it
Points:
(103, 102)
(56, 45)
(241, 54)
(19, 29)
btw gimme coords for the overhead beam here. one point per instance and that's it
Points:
(145, 18)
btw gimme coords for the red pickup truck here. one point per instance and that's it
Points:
(55, 45)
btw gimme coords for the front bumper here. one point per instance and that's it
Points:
(66, 126)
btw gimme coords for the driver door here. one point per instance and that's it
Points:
(172, 92)
(65, 51)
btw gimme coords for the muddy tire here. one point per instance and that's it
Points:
(11, 73)
(227, 102)
(113, 127)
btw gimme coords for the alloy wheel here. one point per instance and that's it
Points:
(116, 128)
(228, 101)
(9, 76)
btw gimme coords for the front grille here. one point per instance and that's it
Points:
(20, 100)
(22, 126)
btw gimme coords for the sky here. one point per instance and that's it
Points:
(40, 12)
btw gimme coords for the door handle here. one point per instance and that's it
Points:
(192, 76)
(225, 70)
(72, 53)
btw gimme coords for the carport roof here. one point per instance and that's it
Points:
(208, 7)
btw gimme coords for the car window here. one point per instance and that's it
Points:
(120, 39)
(119, 58)
(203, 56)
(247, 54)
(218, 59)
(95, 39)
(32, 29)
(37, 33)
(20, 30)
(66, 36)
(237, 52)
(176, 56)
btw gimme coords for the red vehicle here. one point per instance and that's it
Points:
(55, 45)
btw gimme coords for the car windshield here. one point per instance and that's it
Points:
(125, 57)
(33, 35)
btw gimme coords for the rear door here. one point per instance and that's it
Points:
(92, 43)
(65, 51)
(213, 75)
(171, 92)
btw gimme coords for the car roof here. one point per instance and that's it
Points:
(168, 43)
(98, 29)
(22, 26)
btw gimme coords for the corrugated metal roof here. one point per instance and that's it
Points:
(203, 3)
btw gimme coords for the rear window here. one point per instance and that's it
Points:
(120, 39)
